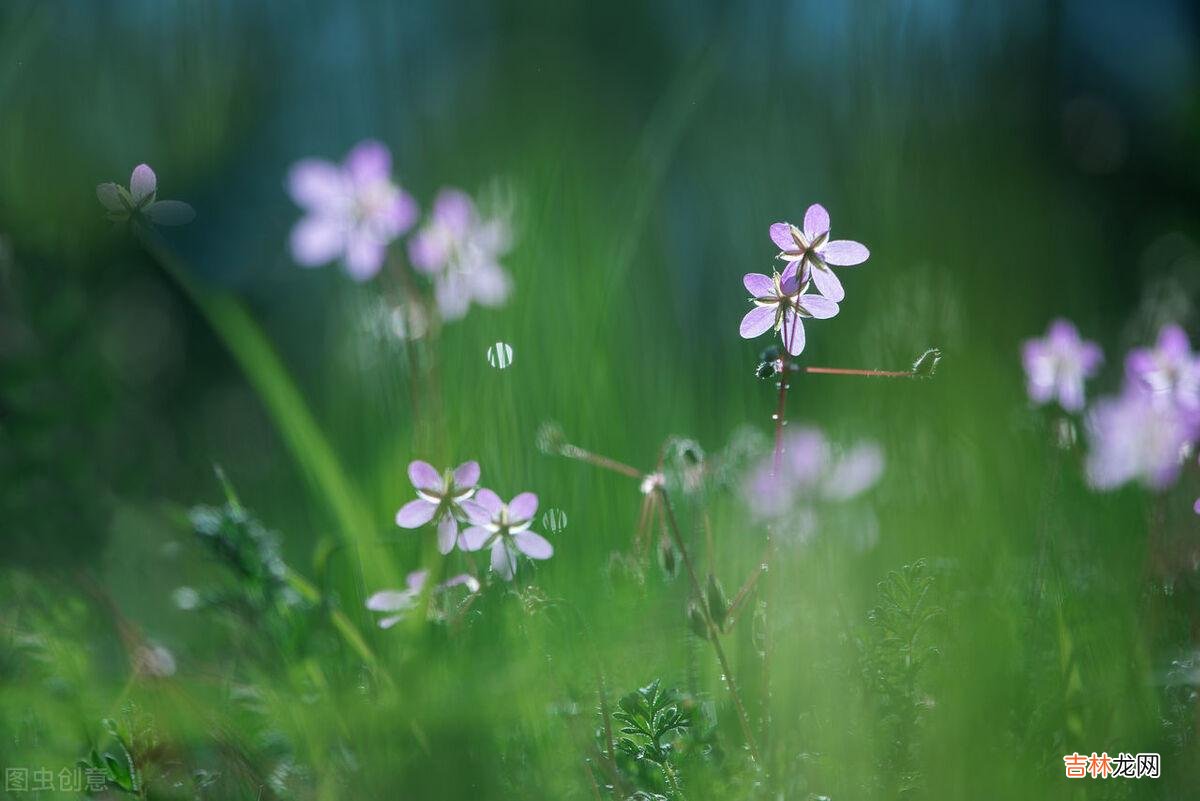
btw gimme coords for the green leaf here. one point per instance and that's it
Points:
(119, 772)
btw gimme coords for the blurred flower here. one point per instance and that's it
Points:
(460, 251)
(139, 201)
(399, 602)
(186, 598)
(1134, 438)
(1056, 366)
(810, 473)
(353, 211)
(506, 528)
(814, 252)
(1169, 372)
(155, 661)
(439, 495)
(780, 302)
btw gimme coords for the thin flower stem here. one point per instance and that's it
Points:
(864, 373)
(409, 296)
(591, 776)
(735, 606)
(605, 713)
(713, 634)
(781, 408)
(575, 452)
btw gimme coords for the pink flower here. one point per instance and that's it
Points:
(1056, 366)
(811, 473)
(353, 211)
(460, 251)
(505, 527)
(813, 251)
(1169, 372)
(781, 303)
(440, 496)
(140, 200)
(1134, 438)
(399, 602)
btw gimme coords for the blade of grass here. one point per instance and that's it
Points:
(266, 372)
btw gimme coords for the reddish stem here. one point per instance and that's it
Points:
(869, 373)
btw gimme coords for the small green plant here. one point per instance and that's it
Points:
(900, 643)
(653, 719)
(119, 770)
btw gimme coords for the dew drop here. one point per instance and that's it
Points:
(774, 417)
(555, 520)
(500, 355)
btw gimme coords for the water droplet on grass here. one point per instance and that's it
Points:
(555, 520)
(500, 355)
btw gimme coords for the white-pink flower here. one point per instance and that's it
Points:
(440, 496)
(460, 250)
(811, 249)
(141, 201)
(505, 528)
(781, 302)
(353, 210)
(1057, 365)
(398, 603)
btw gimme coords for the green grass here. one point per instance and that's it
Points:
(1007, 615)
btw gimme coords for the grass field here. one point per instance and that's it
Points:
(203, 446)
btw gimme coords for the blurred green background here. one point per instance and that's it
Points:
(1006, 164)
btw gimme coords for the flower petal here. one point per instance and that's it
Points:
(415, 581)
(793, 277)
(454, 209)
(428, 251)
(1090, 357)
(535, 546)
(466, 475)
(476, 513)
(792, 333)
(822, 308)
(757, 321)
(523, 507)
(369, 161)
(781, 235)
(316, 240)
(759, 285)
(391, 620)
(170, 212)
(109, 195)
(489, 501)
(489, 284)
(816, 221)
(856, 472)
(396, 216)
(465, 579)
(845, 253)
(1173, 342)
(829, 284)
(142, 183)
(424, 476)
(317, 184)
(453, 296)
(390, 601)
(364, 255)
(447, 534)
(415, 514)
(502, 560)
(473, 538)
